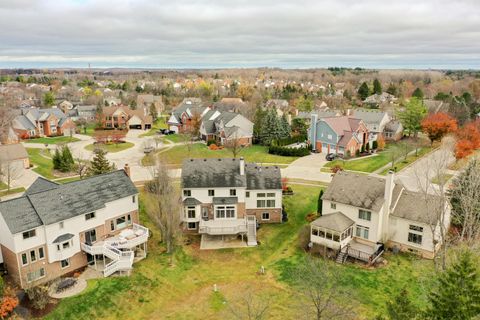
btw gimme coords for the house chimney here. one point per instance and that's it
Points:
(389, 184)
(127, 169)
(384, 221)
(242, 166)
(313, 131)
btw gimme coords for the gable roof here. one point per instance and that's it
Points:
(342, 124)
(41, 184)
(416, 206)
(10, 152)
(336, 221)
(356, 190)
(370, 116)
(46, 204)
(263, 177)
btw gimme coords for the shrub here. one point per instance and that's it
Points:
(8, 303)
(289, 140)
(38, 296)
(289, 152)
(213, 146)
(375, 145)
(363, 149)
(357, 153)
(211, 141)
(367, 147)
(336, 168)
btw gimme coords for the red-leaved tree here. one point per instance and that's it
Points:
(468, 139)
(463, 148)
(437, 125)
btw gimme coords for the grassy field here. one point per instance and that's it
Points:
(160, 123)
(43, 162)
(111, 147)
(182, 289)
(176, 138)
(12, 191)
(402, 163)
(52, 140)
(255, 153)
(89, 129)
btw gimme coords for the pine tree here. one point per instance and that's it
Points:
(320, 203)
(457, 294)
(285, 127)
(392, 90)
(363, 91)
(270, 128)
(258, 124)
(57, 159)
(67, 159)
(401, 307)
(418, 93)
(377, 86)
(99, 163)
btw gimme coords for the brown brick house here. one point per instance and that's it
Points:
(35, 122)
(122, 117)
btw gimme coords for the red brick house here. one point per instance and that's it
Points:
(34, 122)
(122, 117)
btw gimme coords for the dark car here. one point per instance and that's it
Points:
(331, 156)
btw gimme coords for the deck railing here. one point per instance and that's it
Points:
(219, 230)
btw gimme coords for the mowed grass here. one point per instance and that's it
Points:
(401, 163)
(43, 162)
(183, 289)
(52, 140)
(111, 147)
(255, 153)
(6, 192)
(367, 164)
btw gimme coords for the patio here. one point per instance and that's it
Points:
(209, 242)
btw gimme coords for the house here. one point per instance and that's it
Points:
(85, 112)
(324, 113)
(112, 101)
(435, 106)
(281, 106)
(145, 102)
(182, 116)
(225, 127)
(377, 99)
(362, 215)
(34, 122)
(13, 161)
(340, 135)
(377, 123)
(227, 197)
(56, 229)
(230, 105)
(121, 117)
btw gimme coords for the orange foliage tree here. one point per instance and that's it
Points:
(437, 125)
(7, 304)
(468, 139)
(380, 142)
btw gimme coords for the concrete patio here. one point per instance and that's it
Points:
(221, 242)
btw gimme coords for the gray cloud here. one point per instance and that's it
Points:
(219, 33)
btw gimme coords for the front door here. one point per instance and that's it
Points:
(90, 236)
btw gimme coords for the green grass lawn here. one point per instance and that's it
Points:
(176, 138)
(43, 162)
(89, 129)
(255, 153)
(402, 163)
(12, 191)
(111, 147)
(52, 140)
(69, 179)
(160, 123)
(158, 289)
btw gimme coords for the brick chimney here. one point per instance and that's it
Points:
(242, 166)
(127, 169)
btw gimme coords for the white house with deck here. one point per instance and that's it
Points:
(227, 197)
(363, 215)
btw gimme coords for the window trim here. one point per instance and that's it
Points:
(29, 233)
(233, 192)
(38, 278)
(361, 214)
(90, 216)
(211, 192)
(187, 192)
(333, 205)
(360, 232)
(415, 236)
(26, 259)
(265, 213)
(188, 226)
(68, 263)
(33, 258)
(191, 209)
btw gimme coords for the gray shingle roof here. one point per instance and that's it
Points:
(10, 152)
(225, 173)
(65, 201)
(336, 221)
(41, 184)
(225, 200)
(369, 116)
(191, 202)
(63, 238)
(417, 206)
(356, 190)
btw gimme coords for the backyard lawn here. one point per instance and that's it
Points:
(183, 288)
(111, 147)
(52, 140)
(42, 159)
(255, 153)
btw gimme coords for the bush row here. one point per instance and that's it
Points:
(289, 152)
(289, 140)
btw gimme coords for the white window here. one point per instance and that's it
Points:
(233, 192)
(66, 245)
(260, 195)
(29, 234)
(261, 203)
(266, 216)
(187, 193)
(416, 228)
(65, 263)
(60, 225)
(129, 219)
(270, 203)
(90, 215)
(333, 205)
(191, 225)
(35, 275)
(33, 256)
(364, 215)
(415, 238)
(247, 194)
(362, 232)
(24, 259)
(211, 193)
(191, 212)
(121, 222)
(267, 203)
(205, 212)
(329, 137)
(222, 212)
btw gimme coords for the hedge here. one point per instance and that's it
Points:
(289, 140)
(289, 152)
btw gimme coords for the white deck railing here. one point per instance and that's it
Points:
(216, 227)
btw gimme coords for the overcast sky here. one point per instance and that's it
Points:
(228, 33)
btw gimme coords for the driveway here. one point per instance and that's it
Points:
(308, 168)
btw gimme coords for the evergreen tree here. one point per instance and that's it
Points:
(418, 93)
(363, 91)
(269, 127)
(392, 89)
(285, 127)
(67, 159)
(401, 307)
(377, 86)
(457, 294)
(99, 163)
(320, 203)
(57, 159)
(258, 123)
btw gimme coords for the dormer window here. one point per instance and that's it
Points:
(29, 234)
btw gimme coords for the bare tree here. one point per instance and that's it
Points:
(163, 205)
(81, 166)
(9, 172)
(248, 306)
(6, 117)
(233, 143)
(320, 295)
(434, 198)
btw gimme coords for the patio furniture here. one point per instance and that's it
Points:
(66, 284)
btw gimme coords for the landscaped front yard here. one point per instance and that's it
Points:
(52, 140)
(160, 123)
(158, 289)
(42, 159)
(110, 147)
(255, 153)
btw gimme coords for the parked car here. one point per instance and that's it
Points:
(148, 149)
(331, 156)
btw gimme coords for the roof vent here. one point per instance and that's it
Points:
(205, 160)
(219, 159)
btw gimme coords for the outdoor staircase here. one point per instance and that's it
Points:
(342, 257)
(251, 231)
(121, 260)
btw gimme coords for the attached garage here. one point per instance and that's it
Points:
(68, 132)
(135, 123)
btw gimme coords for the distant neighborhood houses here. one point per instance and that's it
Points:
(36, 122)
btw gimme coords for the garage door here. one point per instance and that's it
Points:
(68, 132)
(324, 148)
(174, 128)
